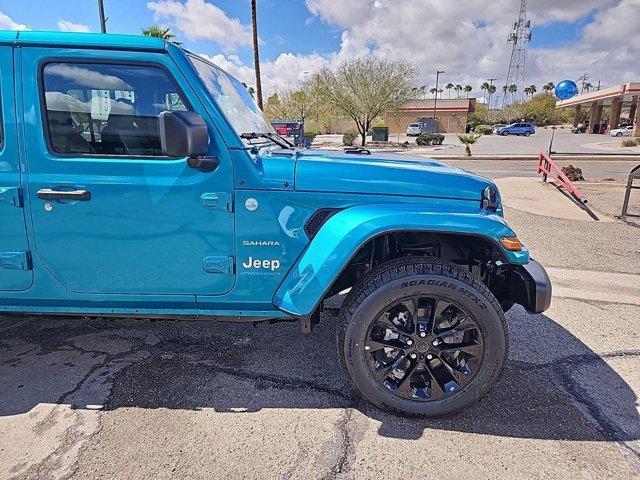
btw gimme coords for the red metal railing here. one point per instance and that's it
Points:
(548, 168)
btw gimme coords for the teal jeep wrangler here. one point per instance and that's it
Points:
(138, 179)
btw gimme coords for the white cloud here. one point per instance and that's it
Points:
(200, 20)
(7, 23)
(466, 39)
(69, 26)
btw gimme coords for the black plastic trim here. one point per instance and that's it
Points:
(530, 286)
(317, 220)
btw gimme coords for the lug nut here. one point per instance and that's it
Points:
(423, 334)
(429, 357)
(413, 356)
(409, 342)
(367, 348)
(435, 343)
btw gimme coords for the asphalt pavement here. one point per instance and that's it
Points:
(130, 399)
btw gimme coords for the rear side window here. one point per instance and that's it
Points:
(106, 109)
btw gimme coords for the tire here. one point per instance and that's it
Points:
(619, 134)
(527, 134)
(505, 133)
(396, 283)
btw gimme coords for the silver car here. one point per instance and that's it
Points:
(622, 131)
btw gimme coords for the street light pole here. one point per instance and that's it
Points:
(103, 20)
(435, 102)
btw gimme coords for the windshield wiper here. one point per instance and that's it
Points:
(274, 137)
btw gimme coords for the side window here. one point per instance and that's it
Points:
(107, 109)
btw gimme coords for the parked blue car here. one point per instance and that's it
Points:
(525, 129)
(138, 179)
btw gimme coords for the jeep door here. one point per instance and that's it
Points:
(110, 213)
(15, 272)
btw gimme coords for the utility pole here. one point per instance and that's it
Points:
(435, 102)
(583, 79)
(103, 20)
(256, 55)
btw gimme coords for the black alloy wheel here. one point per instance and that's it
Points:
(424, 348)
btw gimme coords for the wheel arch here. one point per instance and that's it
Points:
(333, 259)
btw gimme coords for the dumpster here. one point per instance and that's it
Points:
(380, 134)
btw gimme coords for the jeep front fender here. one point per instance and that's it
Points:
(344, 233)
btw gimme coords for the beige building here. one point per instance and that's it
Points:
(607, 105)
(452, 114)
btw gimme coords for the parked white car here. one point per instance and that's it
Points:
(413, 130)
(622, 132)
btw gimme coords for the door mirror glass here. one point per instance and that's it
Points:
(183, 134)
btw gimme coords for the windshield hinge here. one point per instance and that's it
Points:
(11, 196)
(217, 201)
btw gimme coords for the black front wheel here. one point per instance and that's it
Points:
(421, 336)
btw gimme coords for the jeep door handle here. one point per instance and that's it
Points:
(77, 195)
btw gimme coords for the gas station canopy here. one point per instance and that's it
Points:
(616, 97)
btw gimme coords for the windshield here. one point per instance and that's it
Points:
(233, 98)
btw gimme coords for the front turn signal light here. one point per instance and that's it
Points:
(511, 243)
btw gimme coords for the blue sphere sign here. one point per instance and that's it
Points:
(566, 89)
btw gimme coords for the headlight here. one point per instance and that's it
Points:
(490, 198)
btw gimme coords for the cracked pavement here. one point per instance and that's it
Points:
(135, 399)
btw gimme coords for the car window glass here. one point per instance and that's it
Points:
(106, 109)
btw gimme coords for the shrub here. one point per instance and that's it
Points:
(425, 139)
(484, 129)
(309, 136)
(438, 138)
(573, 173)
(630, 142)
(348, 138)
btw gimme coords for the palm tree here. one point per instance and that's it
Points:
(587, 86)
(449, 86)
(532, 90)
(527, 91)
(159, 32)
(256, 54)
(513, 88)
(548, 87)
(484, 87)
(432, 91)
(468, 89)
(458, 89)
(492, 89)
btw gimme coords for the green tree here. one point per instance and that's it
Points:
(366, 88)
(513, 88)
(548, 87)
(160, 32)
(484, 87)
(432, 91)
(458, 89)
(449, 86)
(468, 89)
(491, 90)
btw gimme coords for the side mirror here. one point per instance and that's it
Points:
(183, 134)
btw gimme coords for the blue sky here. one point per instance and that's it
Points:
(285, 25)
(299, 36)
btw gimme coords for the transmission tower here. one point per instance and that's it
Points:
(520, 36)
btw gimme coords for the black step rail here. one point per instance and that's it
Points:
(633, 175)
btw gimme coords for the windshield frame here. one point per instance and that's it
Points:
(251, 108)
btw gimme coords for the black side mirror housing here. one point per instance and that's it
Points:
(183, 134)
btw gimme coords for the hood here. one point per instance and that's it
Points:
(385, 174)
